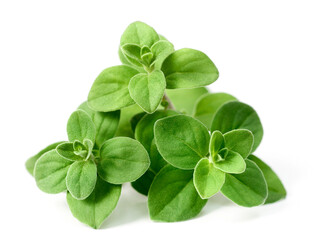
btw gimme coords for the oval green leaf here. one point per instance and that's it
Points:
(181, 140)
(110, 90)
(98, 206)
(147, 90)
(247, 189)
(50, 172)
(208, 104)
(237, 115)
(66, 150)
(276, 190)
(217, 142)
(161, 51)
(240, 141)
(122, 160)
(189, 68)
(207, 179)
(232, 163)
(172, 196)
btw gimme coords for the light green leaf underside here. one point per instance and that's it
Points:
(232, 163)
(240, 141)
(247, 189)
(50, 172)
(30, 163)
(81, 179)
(110, 90)
(181, 140)
(237, 115)
(122, 160)
(189, 68)
(276, 190)
(184, 100)
(80, 126)
(172, 196)
(98, 206)
(208, 104)
(207, 179)
(147, 90)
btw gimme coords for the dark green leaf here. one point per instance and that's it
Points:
(142, 184)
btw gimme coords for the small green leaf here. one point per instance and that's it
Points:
(240, 141)
(184, 100)
(147, 58)
(143, 184)
(172, 196)
(128, 61)
(181, 140)
(207, 179)
(276, 190)
(189, 68)
(139, 33)
(98, 206)
(89, 147)
(161, 50)
(50, 172)
(232, 163)
(247, 189)
(30, 163)
(238, 115)
(81, 179)
(132, 51)
(148, 89)
(110, 90)
(217, 142)
(80, 126)
(106, 123)
(122, 160)
(66, 150)
(208, 104)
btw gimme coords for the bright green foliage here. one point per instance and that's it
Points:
(30, 163)
(237, 115)
(189, 68)
(81, 179)
(122, 160)
(208, 180)
(247, 189)
(147, 90)
(208, 104)
(153, 123)
(98, 206)
(172, 196)
(184, 100)
(50, 172)
(276, 190)
(181, 140)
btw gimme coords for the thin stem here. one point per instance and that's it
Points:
(167, 99)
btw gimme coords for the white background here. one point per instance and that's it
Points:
(51, 52)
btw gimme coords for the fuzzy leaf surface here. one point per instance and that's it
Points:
(232, 163)
(240, 141)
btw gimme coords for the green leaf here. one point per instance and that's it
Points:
(132, 51)
(143, 184)
(134, 64)
(135, 120)
(276, 190)
(50, 172)
(181, 140)
(81, 179)
(247, 189)
(66, 150)
(139, 33)
(161, 51)
(106, 123)
(30, 163)
(184, 100)
(122, 160)
(144, 133)
(98, 206)
(148, 89)
(240, 141)
(172, 196)
(110, 90)
(189, 68)
(80, 126)
(89, 147)
(232, 163)
(207, 179)
(217, 142)
(208, 104)
(238, 115)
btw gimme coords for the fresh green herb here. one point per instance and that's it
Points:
(152, 122)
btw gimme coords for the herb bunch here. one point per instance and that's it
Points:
(151, 122)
